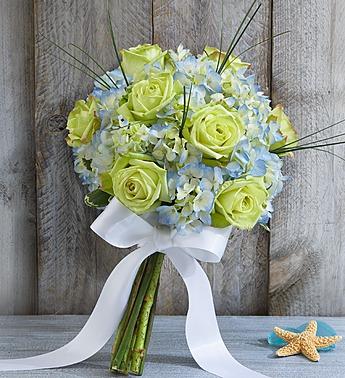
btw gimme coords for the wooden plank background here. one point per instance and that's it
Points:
(17, 156)
(50, 261)
(307, 258)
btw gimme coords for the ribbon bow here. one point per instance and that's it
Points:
(122, 228)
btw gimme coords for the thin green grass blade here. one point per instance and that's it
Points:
(220, 49)
(186, 104)
(241, 24)
(95, 61)
(184, 110)
(190, 95)
(105, 84)
(297, 148)
(259, 43)
(236, 33)
(221, 69)
(313, 133)
(321, 140)
(330, 153)
(221, 37)
(77, 68)
(115, 47)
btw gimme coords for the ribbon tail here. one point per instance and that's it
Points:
(101, 324)
(202, 332)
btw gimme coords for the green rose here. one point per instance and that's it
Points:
(290, 135)
(240, 203)
(214, 130)
(134, 59)
(139, 184)
(82, 122)
(148, 97)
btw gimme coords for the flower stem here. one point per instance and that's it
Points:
(146, 319)
(124, 322)
(133, 334)
(125, 341)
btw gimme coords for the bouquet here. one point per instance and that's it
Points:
(178, 148)
(185, 142)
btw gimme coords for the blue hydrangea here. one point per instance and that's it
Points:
(82, 167)
(193, 187)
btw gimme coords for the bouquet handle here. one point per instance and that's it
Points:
(134, 331)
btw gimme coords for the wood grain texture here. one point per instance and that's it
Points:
(239, 282)
(168, 355)
(307, 251)
(17, 168)
(73, 263)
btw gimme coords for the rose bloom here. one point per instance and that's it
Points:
(148, 97)
(82, 122)
(214, 131)
(240, 203)
(135, 58)
(141, 185)
(286, 129)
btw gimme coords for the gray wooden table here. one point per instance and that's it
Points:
(168, 355)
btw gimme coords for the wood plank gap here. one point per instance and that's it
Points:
(270, 65)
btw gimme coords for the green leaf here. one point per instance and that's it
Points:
(265, 227)
(87, 164)
(97, 198)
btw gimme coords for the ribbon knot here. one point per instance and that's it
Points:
(162, 239)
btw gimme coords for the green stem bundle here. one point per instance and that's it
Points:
(134, 331)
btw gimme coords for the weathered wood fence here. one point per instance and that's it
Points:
(50, 261)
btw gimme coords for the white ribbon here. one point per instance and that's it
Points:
(122, 228)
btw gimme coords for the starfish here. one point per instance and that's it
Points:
(305, 342)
